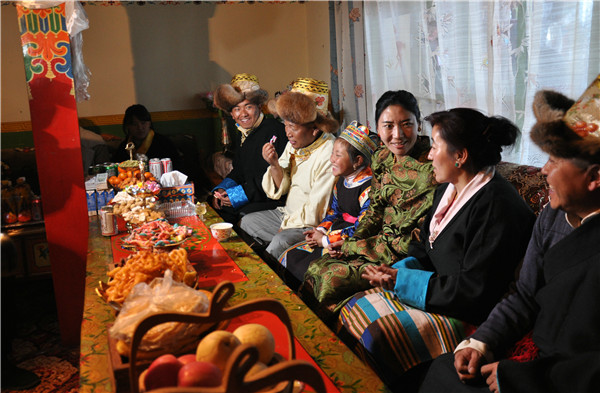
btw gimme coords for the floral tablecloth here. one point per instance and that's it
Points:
(345, 371)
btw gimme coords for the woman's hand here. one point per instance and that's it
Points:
(380, 276)
(467, 363)
(335, 249)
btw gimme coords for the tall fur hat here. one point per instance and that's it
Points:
(305, 102)
(566, 128)
(242, 87)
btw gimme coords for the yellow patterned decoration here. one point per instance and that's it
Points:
(315, 89)
(245, 82)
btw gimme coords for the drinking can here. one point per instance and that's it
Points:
(156, 168)
(108, 221)
(112, 169)
(167, 165)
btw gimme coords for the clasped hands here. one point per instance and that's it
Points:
(220, 199)
(469, 366)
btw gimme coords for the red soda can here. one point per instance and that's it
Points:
(156, 168)
(167, 165)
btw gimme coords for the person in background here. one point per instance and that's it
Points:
(351, 160)
(469, 247)
(94, 149)
(401, 194)
(139, 129)
(241, 191)
(303, 171)
(558, 287)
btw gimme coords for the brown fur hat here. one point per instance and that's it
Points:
(553, 135)
(306, 102)
(242, 87)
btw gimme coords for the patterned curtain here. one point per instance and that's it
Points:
(348, 72)
(492, 56)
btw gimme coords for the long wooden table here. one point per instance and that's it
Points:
(346, 372)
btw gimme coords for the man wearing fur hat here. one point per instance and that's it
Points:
(241, 191)
(559, 284)
(302, 172)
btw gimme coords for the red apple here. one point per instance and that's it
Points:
(10, 218)
(162, 372)
(199, 374)
(24, 216)
(185, 359)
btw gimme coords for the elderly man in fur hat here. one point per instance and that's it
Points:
(302, 172)
(558, 289)
(241, 191)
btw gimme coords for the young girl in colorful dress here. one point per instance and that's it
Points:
(350, 159)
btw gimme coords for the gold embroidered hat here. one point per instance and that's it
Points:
(242, 87)
(305, 102)
(566, 128)
(361, 138)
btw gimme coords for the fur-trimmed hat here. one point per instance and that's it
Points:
(305, 102)
(242, 87)
(566, 128)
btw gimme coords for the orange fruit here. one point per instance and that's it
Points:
(136, 173)
(121, 169)
(129, 174)
(113, 180)
(148, 175)
(122, 175)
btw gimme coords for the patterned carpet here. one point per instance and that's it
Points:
(37, 346)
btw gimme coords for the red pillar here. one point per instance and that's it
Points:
(47, 56)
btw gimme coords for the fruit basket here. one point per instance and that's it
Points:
(278, 376)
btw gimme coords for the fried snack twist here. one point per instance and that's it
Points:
(144, 266)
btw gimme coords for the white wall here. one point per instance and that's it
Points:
(164, 56)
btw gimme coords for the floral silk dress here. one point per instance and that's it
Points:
(401, 194)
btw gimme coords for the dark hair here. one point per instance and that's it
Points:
(139, 112)
(400, 97)
(482, 136)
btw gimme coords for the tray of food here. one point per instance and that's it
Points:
(157, 234)
(145, 266)
(242, 360)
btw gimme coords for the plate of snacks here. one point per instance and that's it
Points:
(157, 234)
(136, 210)
(144, 266)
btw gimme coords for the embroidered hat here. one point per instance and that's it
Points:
(306, 101)
(242, 87)
(361, 138)
(566, 128)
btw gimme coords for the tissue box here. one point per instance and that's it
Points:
(177, 193)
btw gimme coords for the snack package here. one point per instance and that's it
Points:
(161, 295)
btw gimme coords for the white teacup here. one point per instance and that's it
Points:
(221, 230)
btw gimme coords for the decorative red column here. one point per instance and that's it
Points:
(47, 56)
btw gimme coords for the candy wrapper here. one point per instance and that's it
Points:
(584, 116)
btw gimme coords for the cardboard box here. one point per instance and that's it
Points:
(92, 201)
(178, 193)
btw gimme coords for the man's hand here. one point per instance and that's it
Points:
(270, 154)
(380, 276)
(468, 362)
(220, 199)
(489, 372)
(313, 237)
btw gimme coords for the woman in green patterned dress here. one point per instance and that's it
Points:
(401, 194)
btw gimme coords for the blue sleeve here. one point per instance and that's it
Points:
(411, 286)
(225, 184)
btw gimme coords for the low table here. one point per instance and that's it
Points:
(344, 371)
